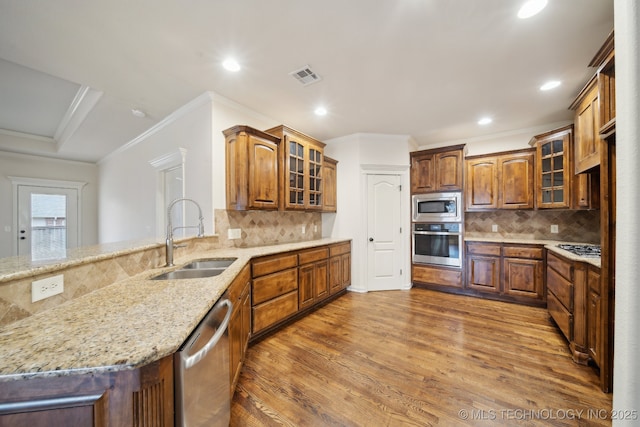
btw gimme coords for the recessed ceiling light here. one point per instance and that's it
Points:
(531, 8)
(231, 64)
(320, 111)
(552, 84)
(485, 121)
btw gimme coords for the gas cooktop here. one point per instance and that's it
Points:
(582, 250)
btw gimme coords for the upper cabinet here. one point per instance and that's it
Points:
(556, 183)
(500, 181)
(437, 170)
(595, 109)
(301, 161)
(252, 166)
(330, 185)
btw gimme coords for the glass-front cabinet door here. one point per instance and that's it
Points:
(315, 178)
(296, 174)
(554, 169)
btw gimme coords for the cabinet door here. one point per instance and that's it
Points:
(295, 175)
(346, 270)
(305, 286)
(554, 174)
(481, 190)
(449, 170)
(321, 280)
(595, 325)
(523, 277)
(330, 185)
(314, 177)
(587, 128)
(335, 274)
(423, 173)
(483, 273)
(515, 177)
(263, 174)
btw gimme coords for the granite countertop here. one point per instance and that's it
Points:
(126, 325)
(551, 245)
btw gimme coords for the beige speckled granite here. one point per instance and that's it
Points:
(551, 245)
(125, 325)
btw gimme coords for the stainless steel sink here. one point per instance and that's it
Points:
(198, 269)
(189, 274)
(209, 263)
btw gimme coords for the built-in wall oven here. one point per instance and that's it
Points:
(437, 243)
(436, 207)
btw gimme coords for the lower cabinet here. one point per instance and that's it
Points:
(239, 293)
(339, 267)
(138, 397)
(313, 277)
(595, 316)
(435, 277)
(505, 271)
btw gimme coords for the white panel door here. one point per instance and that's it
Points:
(47, 221)
(384, 230)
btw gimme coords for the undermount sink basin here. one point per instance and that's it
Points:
(209, 263)
(198, 269)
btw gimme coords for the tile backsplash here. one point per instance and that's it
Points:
(573, 225)
(267, 227)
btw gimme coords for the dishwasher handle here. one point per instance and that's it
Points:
(190, 361)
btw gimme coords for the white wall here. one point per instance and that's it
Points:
(128, 181)
(626, 379)
(46, 168)
(358, 154)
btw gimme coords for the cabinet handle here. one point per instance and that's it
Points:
(371, 239)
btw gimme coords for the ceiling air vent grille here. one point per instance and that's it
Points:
(305, 75)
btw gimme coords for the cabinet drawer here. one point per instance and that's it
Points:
(528, 252)
(271, 264)
(237, 286)
(483, 248)
(273, 285)
(560, 315)
(561, 288)
(593, 278)
(564, 268)
(313, 255)
(437, 276)
(271, 312)
(342, 248)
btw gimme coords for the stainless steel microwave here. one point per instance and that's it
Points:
(437, 207)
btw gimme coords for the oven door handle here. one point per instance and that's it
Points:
(436, 233)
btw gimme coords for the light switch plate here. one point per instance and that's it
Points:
(234, 233)
(554, 228)
(494, 228)
(45, 288)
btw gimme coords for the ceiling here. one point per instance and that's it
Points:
(71, 71)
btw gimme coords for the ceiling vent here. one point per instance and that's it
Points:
(305, 75)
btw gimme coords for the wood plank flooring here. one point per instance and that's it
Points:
(417, 358)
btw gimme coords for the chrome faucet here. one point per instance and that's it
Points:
(170, 229)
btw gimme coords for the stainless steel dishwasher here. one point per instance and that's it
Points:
(202, 389)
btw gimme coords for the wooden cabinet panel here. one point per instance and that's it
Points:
(523, 277)
(562, 317)
(587, 128)
(312, 255)
(330, 185)
(305, 286)
(239, 293)
(481, 191)
(432, 275)
(561, 288)
(313, 283)
(437, 170)
(480, 248)
(339, 267)
(321, 280)
(273, 285)
(516, 183)
(275, 310)
(448, 167)
(565, 269)
(252, 170)
(273, 263)
(530, 252)
(595, 319)
(483, 273)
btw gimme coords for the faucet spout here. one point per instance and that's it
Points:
(169, 241)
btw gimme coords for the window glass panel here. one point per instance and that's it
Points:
(558, 179)
(558, 196)
(558, 146)
(546, 180)
(48, 226)
(546, 149)
(546, 196)
(546, 165)
(557, 163)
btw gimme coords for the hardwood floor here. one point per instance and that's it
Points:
(417, 358)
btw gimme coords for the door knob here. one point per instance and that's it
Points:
(371, 239)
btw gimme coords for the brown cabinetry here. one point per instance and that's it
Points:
(431, 276)
(500, 181)
(595, 315)
(252, 169)
(437, 170)
(339, 267)
(138, 397)
(239, 293)
(301, 164)
(587, 128)
(506, 271)
(313, 276)
(330, 185)
(567, 302)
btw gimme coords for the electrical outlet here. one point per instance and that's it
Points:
(45, 288)
(494, 228)
(234, 233)
(304, 229)
(315, 228)
(554, 228)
